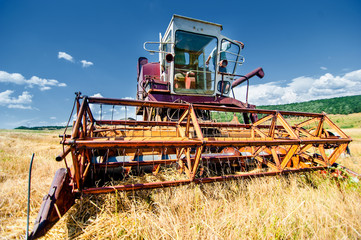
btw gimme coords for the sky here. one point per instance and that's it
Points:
(49, 50)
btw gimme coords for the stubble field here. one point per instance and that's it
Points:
(300, 206)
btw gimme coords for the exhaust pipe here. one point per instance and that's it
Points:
(257, 72)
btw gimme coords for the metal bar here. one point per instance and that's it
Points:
(188, 168)
(77, 104)
(136, 103)
(173, 124)
(134, 122)
(285, 124)
(275, 157)
(323, 153)
(258, 111)
(262, 134)
(220, 142)
(76, 173)
(82, 163)
(276, 142)
(180, 161)
(90, 114)
(305, 148)
(262, 120)
(84, 132)
(184, 115)
(171, 161)
(319, 127)
(289, 155)
(62, 155)
(307, 122)
(334, 127)
(336, 153)
(91, 129)
(188, 125)
(146, 143)
(78, 120)
(195, 124)
(188, 157)
(139, 103)
(302, 130)
(271, 131)
(153, 185)
(88, 166)
(196, 161)
(268, 163)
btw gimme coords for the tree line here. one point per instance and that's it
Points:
(339, 105)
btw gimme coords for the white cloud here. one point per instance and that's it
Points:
(86, 63)
(21, 102)
(22, 122)
(112, 112)
(17, 78)
(129, 98)
(303, 89)
(69, 58)
(65, 56)
(19, 106)
(323, 68)
(52, 118)
(98, 95)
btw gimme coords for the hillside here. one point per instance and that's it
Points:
(340, 105)
(40, 128)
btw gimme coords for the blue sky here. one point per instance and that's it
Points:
(51, 49)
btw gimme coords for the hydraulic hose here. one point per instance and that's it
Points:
(29, 185)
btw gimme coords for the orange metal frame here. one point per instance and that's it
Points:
(275, 145)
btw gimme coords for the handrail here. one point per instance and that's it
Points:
(156, 51)
(235, 54)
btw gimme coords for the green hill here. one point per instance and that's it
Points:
(40, 128)
(339, 105)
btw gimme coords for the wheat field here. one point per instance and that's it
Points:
(306, 206)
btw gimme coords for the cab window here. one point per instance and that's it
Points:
(229, 52)
(192, 75)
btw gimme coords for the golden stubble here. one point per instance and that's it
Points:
(299, 206)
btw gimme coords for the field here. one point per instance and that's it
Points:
(299, 206)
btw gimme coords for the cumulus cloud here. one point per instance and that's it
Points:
(86, 63)
(19, 106)
(303, 89)
(21, 102)
(112, 112)
(69, 58)
(65, 56)
(323, 68)
(98, 95)
(41, 83)
(129, 98)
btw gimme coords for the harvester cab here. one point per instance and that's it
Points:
(193, 44)
(196, 63)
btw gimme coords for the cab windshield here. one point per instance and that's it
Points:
(192, 72)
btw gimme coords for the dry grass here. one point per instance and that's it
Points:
(351, 121)
(300, 206)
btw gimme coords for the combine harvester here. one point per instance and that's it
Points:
(185, 127)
